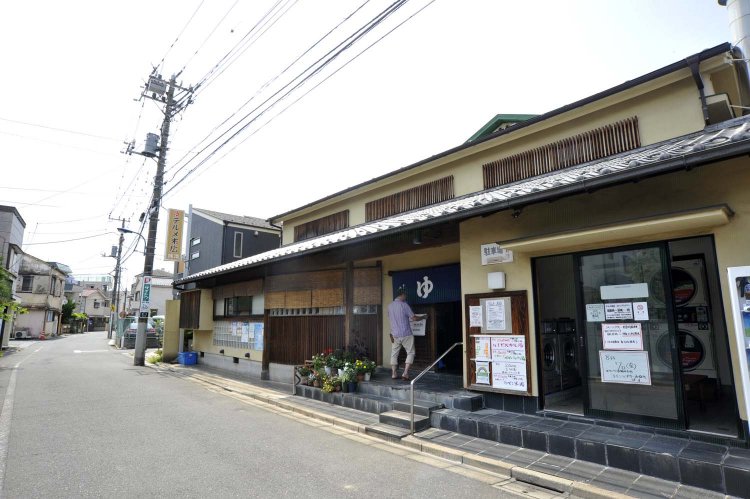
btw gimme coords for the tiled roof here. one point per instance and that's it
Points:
(238, 219)
(715, 142)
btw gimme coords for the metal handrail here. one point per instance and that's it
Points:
(411, 409)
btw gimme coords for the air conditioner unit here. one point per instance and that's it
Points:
(719, 108)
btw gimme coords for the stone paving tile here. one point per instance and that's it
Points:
(615, 479)
(648, 486)
(581, 471)
(688, 492)
(499, 451)
(524, 457)
(552, 464)
(477, 445)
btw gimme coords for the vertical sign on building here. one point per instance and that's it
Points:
(146, 296)
(173, 245)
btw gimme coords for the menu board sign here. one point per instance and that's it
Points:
(509, 363)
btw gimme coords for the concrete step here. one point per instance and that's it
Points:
(421, 407)
(386, 432)
(403, 420)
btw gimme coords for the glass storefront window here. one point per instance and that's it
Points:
(624, 295)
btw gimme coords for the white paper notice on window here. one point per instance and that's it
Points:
(495, 315)
(595, 312)
(475, 316)
(618, 311)
(640, 311)
(482, 348)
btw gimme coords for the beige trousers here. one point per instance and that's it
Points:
(408, 343)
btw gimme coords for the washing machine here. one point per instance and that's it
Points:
(551, 380)
(567, 348)
(689, 283)
(696, 350)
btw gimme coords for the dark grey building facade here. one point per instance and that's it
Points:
(217, 238)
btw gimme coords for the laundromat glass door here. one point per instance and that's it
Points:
(626, 312)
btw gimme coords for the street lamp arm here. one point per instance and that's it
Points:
(123, 230)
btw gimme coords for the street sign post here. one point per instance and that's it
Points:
(145, 296)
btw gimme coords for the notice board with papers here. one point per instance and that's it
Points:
(497, 342)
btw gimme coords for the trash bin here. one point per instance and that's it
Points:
(187, 358)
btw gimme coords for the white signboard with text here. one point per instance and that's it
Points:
(629, 368)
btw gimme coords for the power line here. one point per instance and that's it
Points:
(69, 240)
(309, 90)
(65, 130)
(180, 34)
(312, 70)
(244, 40)
(209, 35)
(268, 83)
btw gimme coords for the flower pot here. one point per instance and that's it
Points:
(345, 387)
(316, 383)
(303, 381)
(367, 376)
(337, 388)
(360, 377)
(352, 386)
(341, 372)
(328, 371)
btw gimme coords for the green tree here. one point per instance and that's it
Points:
(67, 311)
(8, 307)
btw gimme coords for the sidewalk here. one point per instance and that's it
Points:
(554, 473)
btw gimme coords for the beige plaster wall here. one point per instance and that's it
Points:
(726, 182)
(171, 341)
(668, 108)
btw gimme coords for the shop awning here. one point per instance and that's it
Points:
(715, 143)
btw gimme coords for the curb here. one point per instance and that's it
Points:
(579, 489)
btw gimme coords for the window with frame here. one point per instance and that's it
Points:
(194, 241)
(194, 255)
(238, 306)
(50, 316)
(97, 304)
(27, 283)
(53, 287)
(238, 244)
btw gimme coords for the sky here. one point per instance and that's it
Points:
(420, 82)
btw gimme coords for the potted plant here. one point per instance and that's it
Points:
(328, 384)
(304, 373)
(347, 378)
(369, 368)
(360, 368)
(332, 363)
(319, 361)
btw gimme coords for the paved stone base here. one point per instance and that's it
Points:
(658, 453)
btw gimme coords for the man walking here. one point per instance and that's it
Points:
(400, 316)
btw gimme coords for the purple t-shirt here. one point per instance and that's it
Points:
(399, 313)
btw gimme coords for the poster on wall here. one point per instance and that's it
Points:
(495, 315)
(258, 335)
(245, 332)
(475, 316)
(509, 376)
(622, 336)
(509, 348)
(629, 368)
(482, 348)
(483, 373)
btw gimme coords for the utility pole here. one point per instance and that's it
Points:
(171, 108)
(116, 290)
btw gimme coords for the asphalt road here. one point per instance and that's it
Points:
(86, 423)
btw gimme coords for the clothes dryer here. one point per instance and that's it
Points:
(689, 283)
(550, 358)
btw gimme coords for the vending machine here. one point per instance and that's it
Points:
(739, 291)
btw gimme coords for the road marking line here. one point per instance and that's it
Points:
(5, 419)
(90, 351)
